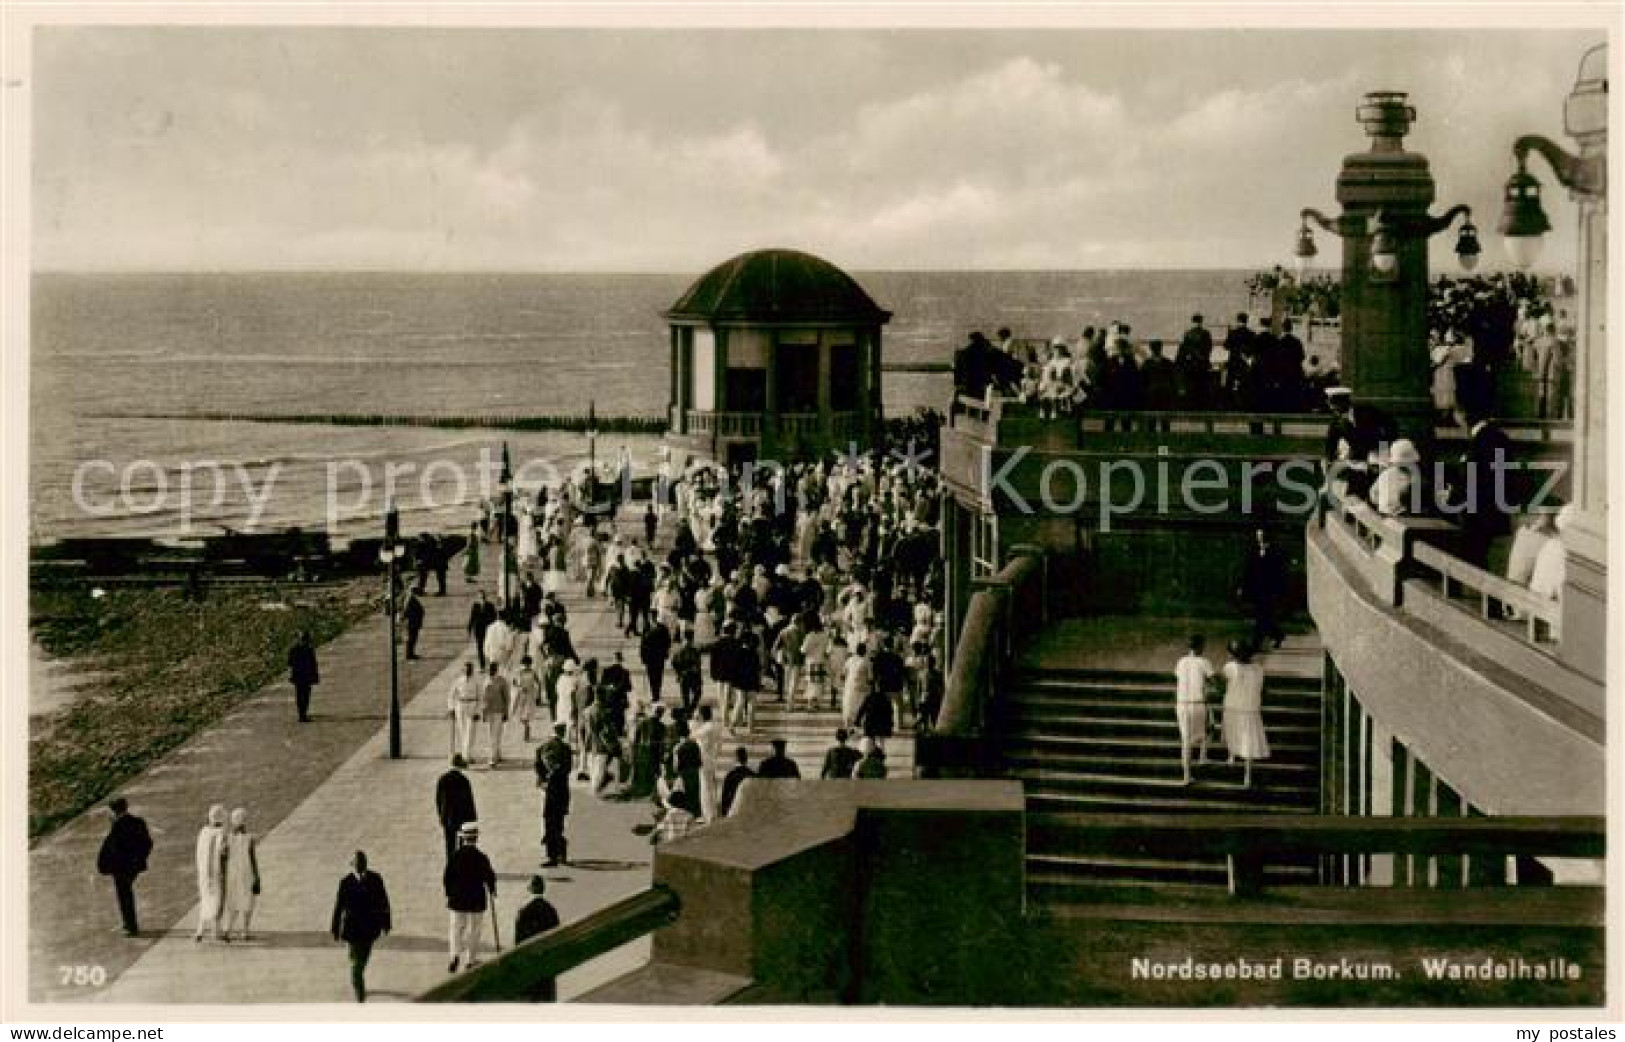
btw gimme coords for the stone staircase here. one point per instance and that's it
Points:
(809, 733)
(1089, 741)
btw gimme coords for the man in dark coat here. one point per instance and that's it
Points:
(733, 780)
(687, 762)
(615, 690)
(973, 366)
(480, 616)
(1480, 491)
(303, 673)
(441, 562)
(553, 765)
(653, 649)
(454, 802)
(536, 918)
(470, 884)
(841, 758)
(124, 856)
(890, 674)
(1238, 345)
(686, 663)
(778, 765)
(1194, 364)
(648, 747)
(360, 917)
(414, 614)
(1263, 584)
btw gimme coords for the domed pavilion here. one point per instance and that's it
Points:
(775, 355)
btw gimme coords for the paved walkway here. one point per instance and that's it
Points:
(258, 757)
(315, 793)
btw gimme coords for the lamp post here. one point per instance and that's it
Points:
(1524, 223)
(592, 456)
(390, 553)
(1385, 193)
(505, 489)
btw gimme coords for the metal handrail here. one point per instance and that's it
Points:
(526, 972)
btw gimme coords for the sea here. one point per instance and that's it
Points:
(126, 368)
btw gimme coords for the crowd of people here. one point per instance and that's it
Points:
(1261, 369)
(819, 585)
(1487, 330)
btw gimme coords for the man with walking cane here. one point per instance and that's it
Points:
(471, 889)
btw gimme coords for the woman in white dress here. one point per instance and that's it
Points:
(242, 876)
(858, 679)
(527, 537)
(1243, 710)
(553, 578)
(211, 872)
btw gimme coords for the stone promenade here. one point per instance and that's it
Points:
(315, 793)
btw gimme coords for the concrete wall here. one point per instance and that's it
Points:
(1509, 744)
(872, 892)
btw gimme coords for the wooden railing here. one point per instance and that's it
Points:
(526, 972)
(726, 424)
(800, 425)
(1542, 617)
(1251, 842)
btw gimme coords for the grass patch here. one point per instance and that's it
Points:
(171, 666)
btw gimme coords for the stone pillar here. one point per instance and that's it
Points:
(1385, 353)
(1585, 583)
(826, 422)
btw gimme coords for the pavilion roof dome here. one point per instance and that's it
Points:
(777, 285)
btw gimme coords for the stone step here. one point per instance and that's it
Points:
(1032, 756)
(1131, 746)
(1056, 869)
(1131, 787)
(1165, 727)
(1026, 703)
(1201, 798)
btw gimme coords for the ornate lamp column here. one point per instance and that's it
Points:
(1385, 193)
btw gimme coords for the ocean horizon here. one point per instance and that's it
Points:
(125, 364)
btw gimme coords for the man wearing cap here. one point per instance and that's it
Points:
(554, 763)
(470, 883)
(360, 917)
(778, 765)
(454, 802)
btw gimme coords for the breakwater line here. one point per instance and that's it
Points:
(576, 422)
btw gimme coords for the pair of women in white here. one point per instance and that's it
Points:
(228, 875)
(1243, 720)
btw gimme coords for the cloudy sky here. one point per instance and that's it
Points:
(594, 150)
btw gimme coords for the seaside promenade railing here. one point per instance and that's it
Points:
(986, 416)
(526, 972)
